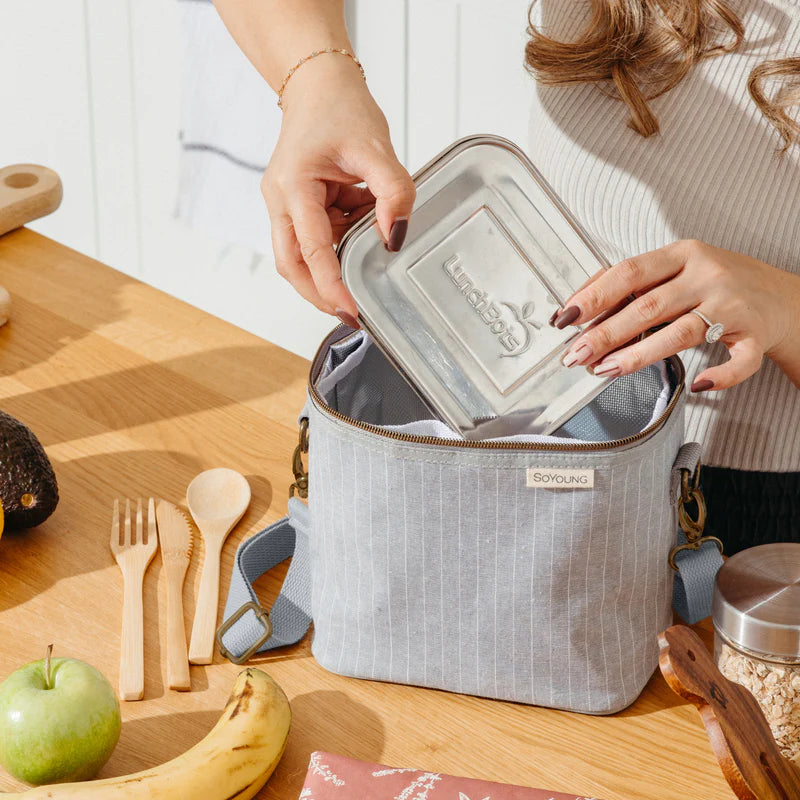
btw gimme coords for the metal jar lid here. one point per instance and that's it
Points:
(757, 599)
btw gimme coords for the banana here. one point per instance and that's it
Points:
(232, 762)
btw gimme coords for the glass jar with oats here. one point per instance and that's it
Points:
(756, 615)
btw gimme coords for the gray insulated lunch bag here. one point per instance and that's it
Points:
(534, 568)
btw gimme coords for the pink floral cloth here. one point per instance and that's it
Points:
(332, 777)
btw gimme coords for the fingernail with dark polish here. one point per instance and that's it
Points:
(703, 385)
(567, 317)
(552, 319)
(347, 319)
(397, 234)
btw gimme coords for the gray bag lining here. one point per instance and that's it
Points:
(359, 381)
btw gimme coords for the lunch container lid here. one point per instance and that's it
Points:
(462, 310)
(757, 599)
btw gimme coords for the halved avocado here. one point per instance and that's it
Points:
(28, 487)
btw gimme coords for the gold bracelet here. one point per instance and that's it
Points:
(308, 58)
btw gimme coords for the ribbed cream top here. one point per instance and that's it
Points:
(711, 174)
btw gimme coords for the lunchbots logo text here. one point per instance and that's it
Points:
(516, 343)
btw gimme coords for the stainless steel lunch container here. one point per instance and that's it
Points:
(462, 310)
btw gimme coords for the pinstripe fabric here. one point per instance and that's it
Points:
(712, 174)
(438, 566)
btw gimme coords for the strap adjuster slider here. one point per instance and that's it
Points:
(263, 617)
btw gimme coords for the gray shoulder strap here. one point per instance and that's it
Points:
(693, 588)
(249, 629)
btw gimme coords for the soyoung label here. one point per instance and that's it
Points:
(546, 478)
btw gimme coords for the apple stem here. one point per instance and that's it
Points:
(47, 667)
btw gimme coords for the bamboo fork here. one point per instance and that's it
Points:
(133, 557)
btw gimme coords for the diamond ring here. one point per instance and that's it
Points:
(715, 329)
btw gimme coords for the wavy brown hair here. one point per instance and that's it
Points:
(639, 49)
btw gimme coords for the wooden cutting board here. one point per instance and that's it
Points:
(27, 192)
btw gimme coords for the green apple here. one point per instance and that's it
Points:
(59, 721)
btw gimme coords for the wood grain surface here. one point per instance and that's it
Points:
(133, 393)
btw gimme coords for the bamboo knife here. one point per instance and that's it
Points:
(175, 536)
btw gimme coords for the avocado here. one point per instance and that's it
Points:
(28, 488)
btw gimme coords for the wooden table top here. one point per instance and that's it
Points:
(132, 393)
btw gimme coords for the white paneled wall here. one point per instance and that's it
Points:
(45, 109)
(98, 99)
(112, 93)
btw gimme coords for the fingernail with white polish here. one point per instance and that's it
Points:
(608, 368)
(570, 359)
(582, 354)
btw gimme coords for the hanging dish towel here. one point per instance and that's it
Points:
(229, 126)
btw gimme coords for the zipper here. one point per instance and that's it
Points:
(467, 443)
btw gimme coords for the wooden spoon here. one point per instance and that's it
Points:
(217, 499)
(740, 736)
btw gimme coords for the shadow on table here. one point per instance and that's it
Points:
(35, 332)
(330, 721)
(261, 491)
(153, 392)
(75, 539)
(321, 720)
(657, 696)
(150, 741)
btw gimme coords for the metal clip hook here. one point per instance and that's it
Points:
(300, 484)
(691, 494)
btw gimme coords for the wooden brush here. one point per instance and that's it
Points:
(739, 732)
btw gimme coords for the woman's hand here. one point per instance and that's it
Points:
(333, 137)
(757, 304)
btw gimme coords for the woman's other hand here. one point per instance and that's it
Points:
(758, 306)
(333, 137)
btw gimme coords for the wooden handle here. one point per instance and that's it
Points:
(177, 657)
(131, 656)
(27, 192)
(201, 648)
(739, 733)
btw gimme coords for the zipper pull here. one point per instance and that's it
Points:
(300, 474)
